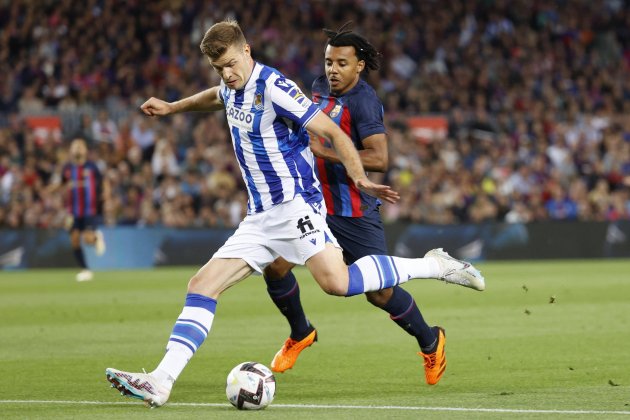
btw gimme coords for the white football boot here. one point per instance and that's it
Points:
(84, 275)
(142, 386)
(456, 271)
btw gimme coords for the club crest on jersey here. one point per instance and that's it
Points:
(258, 102)
(335, 111)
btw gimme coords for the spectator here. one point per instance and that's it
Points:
(144, 136)
(536, 98)
(164, 161)
(104, 129)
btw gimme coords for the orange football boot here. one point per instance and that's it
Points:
(288, 354)
(435, 363)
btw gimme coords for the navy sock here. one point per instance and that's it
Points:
(285, 293)
(403, 311)
(78, 255)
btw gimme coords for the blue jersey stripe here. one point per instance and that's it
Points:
(251, 186)
(264, 163)
(344, 190)
(338, 183)
(333, 185)
(343, 206)
(287, 148)
(305, 169)
(238, 98)
(75, 190)
(88, 193)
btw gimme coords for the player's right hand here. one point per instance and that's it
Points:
(155, 106)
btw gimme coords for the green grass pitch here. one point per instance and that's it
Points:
(546, 339)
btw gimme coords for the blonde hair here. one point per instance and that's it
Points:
(220, 37)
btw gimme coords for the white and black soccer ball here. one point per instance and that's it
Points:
(250, 386)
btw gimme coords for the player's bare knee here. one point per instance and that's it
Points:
(199, 283)
(194, 282)
(335, 288)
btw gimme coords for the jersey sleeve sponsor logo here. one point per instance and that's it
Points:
(293, 91)
(300, 98)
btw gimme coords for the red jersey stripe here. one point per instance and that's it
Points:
(355, 194)
(321, 170)
(93, 198)
(80, 191)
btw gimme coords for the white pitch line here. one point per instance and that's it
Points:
(328, 407)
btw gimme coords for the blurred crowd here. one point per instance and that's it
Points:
(536, 95)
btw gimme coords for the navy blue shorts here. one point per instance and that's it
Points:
(359, 236)
(85, 223)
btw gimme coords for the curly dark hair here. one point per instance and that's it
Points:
(344, 37)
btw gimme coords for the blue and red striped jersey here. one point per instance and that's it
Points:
(84, 188)
(359, 113)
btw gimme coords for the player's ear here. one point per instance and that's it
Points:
(247, 49)
(360, 66)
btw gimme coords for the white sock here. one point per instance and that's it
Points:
(190, 331)
(376, 272)
(173, 363)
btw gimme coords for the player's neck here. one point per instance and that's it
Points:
(252, 64)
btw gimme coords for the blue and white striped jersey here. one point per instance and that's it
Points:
(267, 119)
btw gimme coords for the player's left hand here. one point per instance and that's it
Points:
(316, 146)
(383, 192)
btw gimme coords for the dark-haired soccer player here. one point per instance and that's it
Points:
(353, 216)
(85, 190)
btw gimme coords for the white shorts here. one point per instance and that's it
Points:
(293, 230)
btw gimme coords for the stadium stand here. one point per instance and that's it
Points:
(535, 96)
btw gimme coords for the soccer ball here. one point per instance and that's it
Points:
(250, 386)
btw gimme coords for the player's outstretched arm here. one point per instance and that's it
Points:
(207, 100)
(374, 155)
(323, 126)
